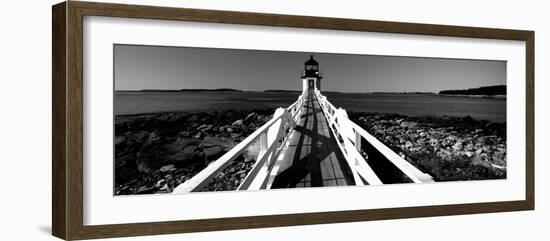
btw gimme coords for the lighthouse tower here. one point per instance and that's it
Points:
(311, 77)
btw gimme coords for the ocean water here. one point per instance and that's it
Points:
(130, 103)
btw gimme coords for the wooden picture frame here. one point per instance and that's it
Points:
(67, 150)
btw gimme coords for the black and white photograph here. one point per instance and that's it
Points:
(260, 120)
(192, 119)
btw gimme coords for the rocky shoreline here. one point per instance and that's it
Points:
(154, 153)
(448, 148)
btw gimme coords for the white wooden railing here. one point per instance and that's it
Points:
(349, 135)
(271, 136)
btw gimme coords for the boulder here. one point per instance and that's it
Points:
(250, 117)
(124, 159)
(201, 127)
(146, 190)
(212, 152)
(119, 140)
(207, 128)
(138, 136)
(217, 141)
(239, 122)
(457, 146)
(146, 166)
(178, 145)
(153, 139)
(193, 118)
(160, 183)
(185, 134)
(189, 153)
(167, 168)
(479, 151)
(150, 151)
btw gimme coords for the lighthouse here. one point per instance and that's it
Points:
(311, 77)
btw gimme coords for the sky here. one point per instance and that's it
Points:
(156, 67)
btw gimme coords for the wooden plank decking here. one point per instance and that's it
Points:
(312, 157)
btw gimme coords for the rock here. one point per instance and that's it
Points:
(167, 168)
(146, 190)
(229, 130)
(152, 140)
(457, 146)
(178, 145)
(416, 148)
(124, 159)
(479, 151)
(165, 188)
(217, 141)
(189, 153)
(189, 149)
(213, 151)
(193, 118)
(477, 160)
(469, 153)
(239, 122)
(207, 128)
(145, 166)
(201, 127)
(250, 117)
(139, 136)
(198, 135)
(160, 183)
(185, 134)
(468, 119)
(119, 140)
(481, 140)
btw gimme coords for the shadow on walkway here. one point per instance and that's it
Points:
(307, 165)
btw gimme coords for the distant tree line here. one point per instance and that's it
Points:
(485, 90)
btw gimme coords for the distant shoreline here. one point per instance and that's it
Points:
(297, 91)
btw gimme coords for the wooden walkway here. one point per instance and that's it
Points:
(312, 157)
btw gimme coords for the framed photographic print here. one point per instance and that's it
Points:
(217, 120)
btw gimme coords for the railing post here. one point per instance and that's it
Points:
(264, 147)
(263, 143)
(358, 138)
